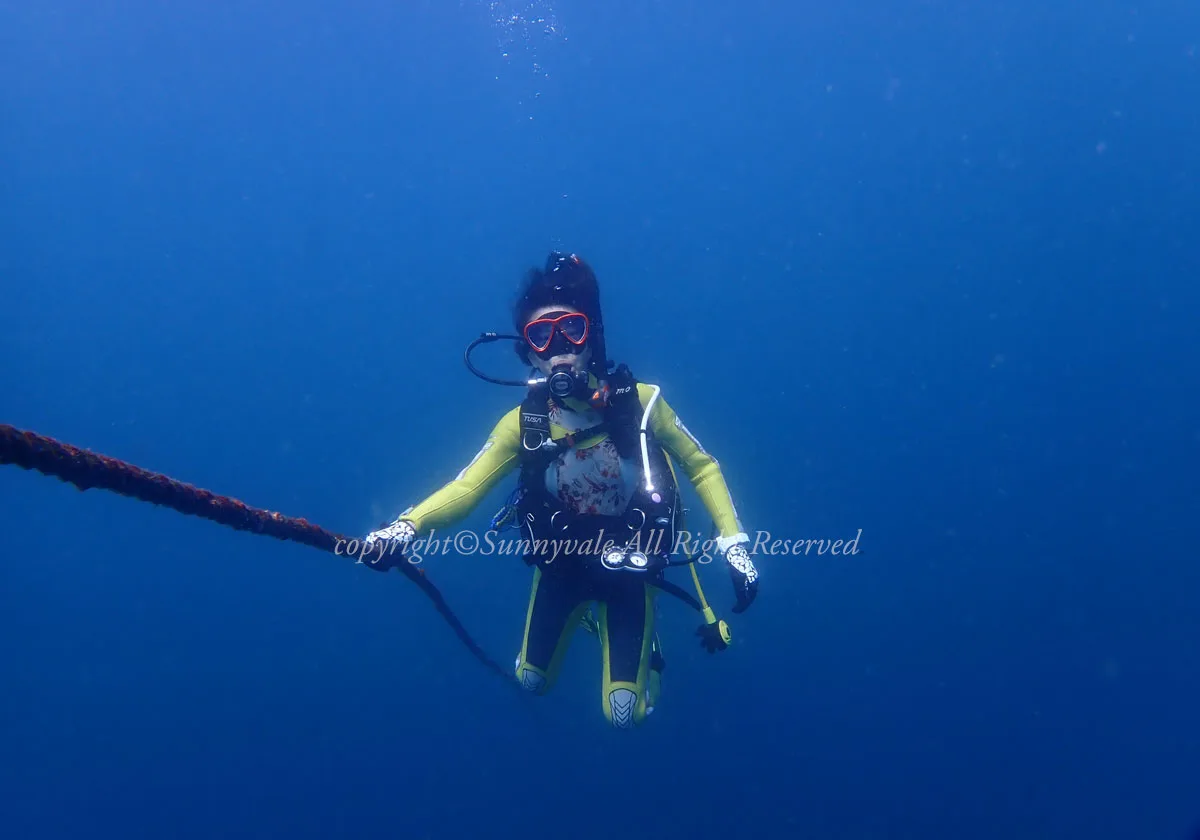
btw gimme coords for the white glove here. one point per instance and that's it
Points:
(381, 544)
(744, 576)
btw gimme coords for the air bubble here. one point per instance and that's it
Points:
(524, 23)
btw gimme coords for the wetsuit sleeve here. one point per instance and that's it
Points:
(700, 467)
(458, 498)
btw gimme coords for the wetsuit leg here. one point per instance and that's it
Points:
(627, 639)
(556, 604)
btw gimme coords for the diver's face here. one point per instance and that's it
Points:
(564, 352)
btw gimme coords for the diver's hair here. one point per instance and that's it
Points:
(568, 281)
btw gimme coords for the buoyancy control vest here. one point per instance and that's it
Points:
(642, 537)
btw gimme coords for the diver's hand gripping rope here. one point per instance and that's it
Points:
(87, 470)
(400, 532)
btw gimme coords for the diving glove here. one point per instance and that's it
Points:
(385, 548)
(744, 576)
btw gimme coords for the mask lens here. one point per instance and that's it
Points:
(574, 327)
(538, 334)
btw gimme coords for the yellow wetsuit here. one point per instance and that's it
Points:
(590, 479)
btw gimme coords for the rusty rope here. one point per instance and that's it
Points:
(87, 470)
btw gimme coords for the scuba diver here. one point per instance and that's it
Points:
(597, 501)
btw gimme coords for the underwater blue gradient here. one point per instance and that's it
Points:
(926, 270)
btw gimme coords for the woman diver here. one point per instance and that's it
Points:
(596, 503)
